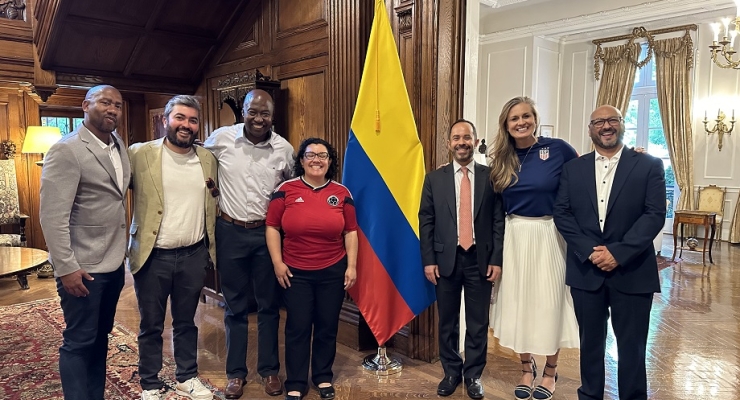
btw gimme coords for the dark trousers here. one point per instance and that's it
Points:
(88, 321)
(477, 304)
(313, 302)
(178, 274)
(243, 260)
(630, 315)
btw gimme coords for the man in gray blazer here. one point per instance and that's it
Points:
(83, 217)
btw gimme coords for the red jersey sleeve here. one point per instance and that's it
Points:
(350, 216)
(275, 209)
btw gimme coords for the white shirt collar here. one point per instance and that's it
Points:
(470, 166)
(615, 157)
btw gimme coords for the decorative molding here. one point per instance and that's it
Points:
(405, 20)
(12, 9)
(658, 14)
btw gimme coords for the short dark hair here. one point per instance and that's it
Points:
(460, 121)
(331, 173)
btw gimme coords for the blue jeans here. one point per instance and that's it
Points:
(88, 321)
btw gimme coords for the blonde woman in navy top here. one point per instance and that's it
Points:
(533, 309)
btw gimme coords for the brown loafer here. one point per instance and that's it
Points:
(234, 389)
(273, 386)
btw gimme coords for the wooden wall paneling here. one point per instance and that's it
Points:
(349, 31)
(297, 25)
(16, 57)
(304, 109)
(30, 173)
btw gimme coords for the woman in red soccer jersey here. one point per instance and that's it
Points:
(315, 263)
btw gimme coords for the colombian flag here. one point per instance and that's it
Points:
(384, 170)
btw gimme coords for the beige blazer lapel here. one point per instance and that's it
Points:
(154, 166)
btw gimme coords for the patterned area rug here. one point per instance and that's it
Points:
(30, 336)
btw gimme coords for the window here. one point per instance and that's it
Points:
(644, 127)
(66, 124)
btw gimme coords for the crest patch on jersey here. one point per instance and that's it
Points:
(544, 153)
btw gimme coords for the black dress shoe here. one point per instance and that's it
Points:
(448, 385)
(326, 393)
(475, 388)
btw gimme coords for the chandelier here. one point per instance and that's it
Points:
(724, 41)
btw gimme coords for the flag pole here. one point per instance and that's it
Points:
(380, 364)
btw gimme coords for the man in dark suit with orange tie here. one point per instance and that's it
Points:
(610, 206)
(461, 230)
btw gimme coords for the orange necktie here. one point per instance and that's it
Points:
(465, 225)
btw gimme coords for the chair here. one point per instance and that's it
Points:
(712, 198)
(12, 222)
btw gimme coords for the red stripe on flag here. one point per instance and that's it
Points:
(381, 304)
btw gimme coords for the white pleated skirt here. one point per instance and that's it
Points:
(532, 310)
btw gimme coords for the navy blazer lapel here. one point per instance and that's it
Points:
(449, 171)
(589, 177)
(480, 187)
(627, 162)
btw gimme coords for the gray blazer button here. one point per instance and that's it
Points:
(155, 232)
(123, 226)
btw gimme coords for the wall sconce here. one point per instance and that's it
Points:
(720, 127)
(39, 139)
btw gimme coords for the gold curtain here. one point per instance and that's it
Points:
(735, 226)
(673, 60)
(620, 65)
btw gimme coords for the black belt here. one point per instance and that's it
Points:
(184, 248)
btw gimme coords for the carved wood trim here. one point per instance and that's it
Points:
(405, 19)
(13, 9)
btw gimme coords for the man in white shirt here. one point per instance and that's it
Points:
(172, 238)
(610, 206)
(252, 161)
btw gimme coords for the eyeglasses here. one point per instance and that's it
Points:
(310, 155)
(211, 185)
(613, 121)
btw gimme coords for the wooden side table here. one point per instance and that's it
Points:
(706, 218)
(18, 261)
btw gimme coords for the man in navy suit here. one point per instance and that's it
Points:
(610, 206)
(461, 230)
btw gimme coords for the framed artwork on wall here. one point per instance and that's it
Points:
(156, 127)
(546, 130)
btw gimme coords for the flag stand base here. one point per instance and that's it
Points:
(380, 364)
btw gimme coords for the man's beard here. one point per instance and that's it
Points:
(172, 137)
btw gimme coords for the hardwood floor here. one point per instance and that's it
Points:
(694, 349)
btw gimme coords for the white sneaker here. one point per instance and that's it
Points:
(193, 389)
(150, 394)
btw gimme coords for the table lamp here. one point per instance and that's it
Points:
(39, 140)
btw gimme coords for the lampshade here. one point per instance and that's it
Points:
(40, 138)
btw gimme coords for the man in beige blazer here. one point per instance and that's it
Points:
(172, 238)
(83, 217)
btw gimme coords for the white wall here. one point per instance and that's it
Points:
(520, 67)
(561, 80)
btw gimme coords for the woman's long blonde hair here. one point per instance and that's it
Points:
(504, 161)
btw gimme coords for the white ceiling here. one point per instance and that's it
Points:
(573, 20)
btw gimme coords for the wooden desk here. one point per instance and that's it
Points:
(19, 261)
(705, 218)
